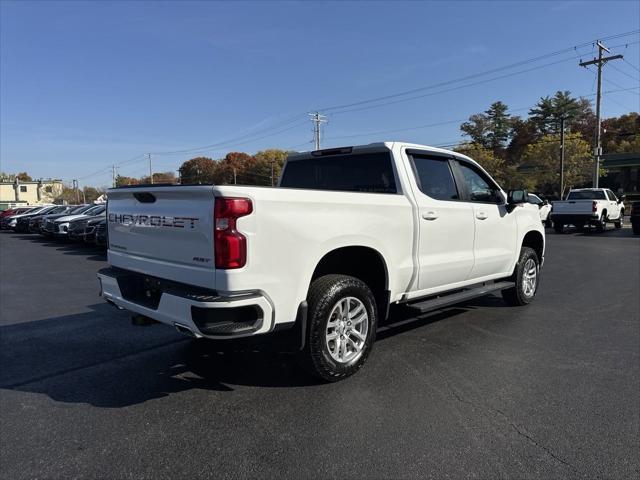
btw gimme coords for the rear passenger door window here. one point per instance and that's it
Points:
(434, 178)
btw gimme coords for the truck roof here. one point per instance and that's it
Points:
(375, 146)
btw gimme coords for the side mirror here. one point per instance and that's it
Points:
(516, 197)
(621, 198)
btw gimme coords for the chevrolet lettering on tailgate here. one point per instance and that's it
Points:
(153, 220)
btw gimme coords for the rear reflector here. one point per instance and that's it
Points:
(230, 245)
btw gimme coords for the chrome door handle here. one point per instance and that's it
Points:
(430, 215)
(481, 215)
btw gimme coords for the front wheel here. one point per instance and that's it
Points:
(526, 277)
(342, 323)
(618, 223)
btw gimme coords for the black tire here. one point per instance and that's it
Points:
(636, 228)
(547, 223)
(558, 227)
(516, 296)
(325, 293)
(601, 225)
(618, 223)
(580, 227)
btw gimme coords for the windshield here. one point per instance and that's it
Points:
(586, 195)
(79, 209)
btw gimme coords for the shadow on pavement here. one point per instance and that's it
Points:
(99, 358)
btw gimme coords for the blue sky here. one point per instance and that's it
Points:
(84, 85)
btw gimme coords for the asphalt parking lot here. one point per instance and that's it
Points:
(479, 391)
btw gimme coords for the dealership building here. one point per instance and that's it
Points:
(18, 192)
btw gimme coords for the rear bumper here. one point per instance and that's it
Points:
(573, 218)
(189, 309)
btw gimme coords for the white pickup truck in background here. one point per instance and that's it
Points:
(318, 261)
(588, 206)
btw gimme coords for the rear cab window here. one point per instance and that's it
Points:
(358, 172)
(587, 195)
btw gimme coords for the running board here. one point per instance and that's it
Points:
(442, 301)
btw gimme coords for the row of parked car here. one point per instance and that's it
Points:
(86, 223)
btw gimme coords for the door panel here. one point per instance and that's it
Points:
(495, 229)
(495, 240)
(446, 225)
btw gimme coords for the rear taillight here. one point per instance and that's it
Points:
(594, 207)
(229, 244)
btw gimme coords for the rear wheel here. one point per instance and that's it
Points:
(618, 223)
(526, 277)
(601, 225)
(342, 325)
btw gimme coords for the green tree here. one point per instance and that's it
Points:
(235, 167)
(197, 170)
(91, 194)
(621, 134)
(577, 112)
(265, 161)
(122, 180)
(491, 129)
(24, 177)
(541, 162)
(485, 157)
(160, 177)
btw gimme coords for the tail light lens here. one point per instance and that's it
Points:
(594, 207)
(229, 244)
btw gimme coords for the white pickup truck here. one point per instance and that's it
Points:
(317, 262)
(588, 206)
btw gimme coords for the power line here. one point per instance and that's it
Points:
(468, 77)
(625, 73)
(631, 64)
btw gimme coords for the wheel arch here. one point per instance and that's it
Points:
(364, 263)
(534, 239)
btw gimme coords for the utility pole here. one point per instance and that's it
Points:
(562, 119)
(600, 61)
(75, 187)
(235, 180)
(272, 174)
(113, 175)
(150, 169)
(317, 120)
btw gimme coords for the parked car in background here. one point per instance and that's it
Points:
(89, 234)
(78, 227)
(101, 233)
(635, 217)
(10, 215)
(47, 224)
(10, 221)
(22, 221)
(588, 206)
(35, 222)
(543, 206)
(15, 211)
(61, 224)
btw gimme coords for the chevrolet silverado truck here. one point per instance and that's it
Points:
(588, 206)
(315, 264)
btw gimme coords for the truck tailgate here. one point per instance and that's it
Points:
(163, 231)
(573, 207)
